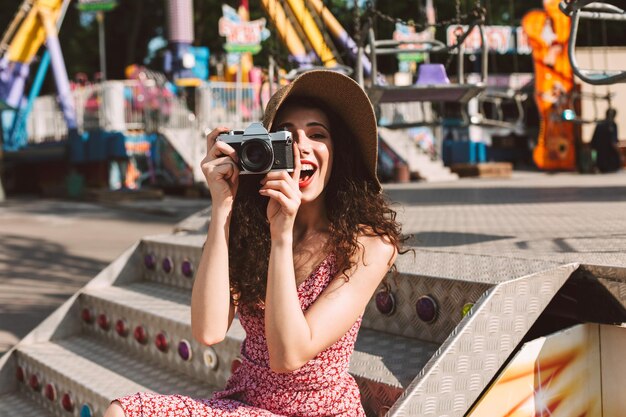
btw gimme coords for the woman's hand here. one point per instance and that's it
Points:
(284, 193)
(220, 170)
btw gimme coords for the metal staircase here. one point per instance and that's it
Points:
(419, 163)
(431, 341)
(129, 331)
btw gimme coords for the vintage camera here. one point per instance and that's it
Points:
(260, 152)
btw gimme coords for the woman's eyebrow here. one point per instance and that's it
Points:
(318, 124)
(310, 124)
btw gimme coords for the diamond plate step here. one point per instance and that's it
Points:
(94, 373)
(389, 359)
(160, 308)
(384, 365)
(171, 259)
(18, 404)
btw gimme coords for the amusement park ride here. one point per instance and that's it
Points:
(451, 335)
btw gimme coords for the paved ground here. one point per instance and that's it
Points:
(533, 217)
(50, 248)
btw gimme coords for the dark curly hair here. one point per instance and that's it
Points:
(353, 203)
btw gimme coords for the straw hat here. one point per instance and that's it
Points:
(345, 98)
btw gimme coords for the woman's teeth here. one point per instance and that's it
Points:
(307, 171)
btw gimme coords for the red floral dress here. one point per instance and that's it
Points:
(322, 387)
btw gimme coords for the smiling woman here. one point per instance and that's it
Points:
(310, 127)
(297, 255)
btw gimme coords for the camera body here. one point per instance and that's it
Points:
(260, 152)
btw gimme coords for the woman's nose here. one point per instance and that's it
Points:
(304, 144)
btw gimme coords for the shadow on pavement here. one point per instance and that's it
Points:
(140, 211)
(430, 239)
(507, 195)
(36, 276)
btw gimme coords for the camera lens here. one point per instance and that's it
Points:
(256, 155)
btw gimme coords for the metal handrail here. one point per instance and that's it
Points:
(592, 10)
(385, 47)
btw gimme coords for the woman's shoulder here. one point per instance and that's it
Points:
(376, 247)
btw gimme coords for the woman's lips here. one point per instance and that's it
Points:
(304, 182)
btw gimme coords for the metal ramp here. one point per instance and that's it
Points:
(432, 340)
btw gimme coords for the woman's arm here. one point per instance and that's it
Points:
(211, 310)
(295, 337)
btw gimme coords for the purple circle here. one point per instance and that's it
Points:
(426, 308)
(187, 268)
(385, 302)
(149, 260)
(184, 350)
(168, 264)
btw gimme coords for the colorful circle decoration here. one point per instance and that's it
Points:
(426, 308)
(67, 403)
(187, 268)
(385, 302)
(50, 392)
(184, 350)
(103, 322)
(236, 363)
(19, 374)
(150, 261)
(85, 411)
(141, 335)
(167, 264)
(161, 342)
(33, 381)
(87, 315)
(121, 327)
(210, 358)
(466, 309)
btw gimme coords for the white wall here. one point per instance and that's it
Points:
(603, 58)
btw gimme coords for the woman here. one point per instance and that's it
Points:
(304, 252)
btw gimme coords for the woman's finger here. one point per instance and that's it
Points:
(297, 165)
(222, 148)
(278, 196)
(281, 186)
(277, 175)
(221, 166)
(223, 160)
(211, 137)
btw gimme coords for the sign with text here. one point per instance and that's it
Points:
(404, 33)
(96, 5)
(241, 36)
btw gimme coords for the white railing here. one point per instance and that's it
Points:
(223, 104)
(132, 105)
(418, 113)
(49, 124)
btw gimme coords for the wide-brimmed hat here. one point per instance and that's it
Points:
(343, 96)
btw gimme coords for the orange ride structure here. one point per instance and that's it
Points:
(548, 33)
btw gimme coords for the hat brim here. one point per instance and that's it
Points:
(345, 98)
